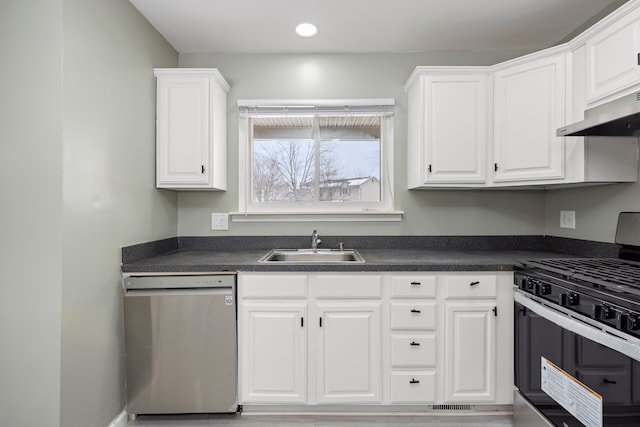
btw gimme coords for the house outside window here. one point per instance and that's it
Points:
(321, 157)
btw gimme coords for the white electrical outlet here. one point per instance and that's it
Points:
(567, 219)
(219, 221)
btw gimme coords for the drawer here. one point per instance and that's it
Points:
(413, 387)
(414, 350)
(350, 286)
(273, 286)
(413, 286)
(409, 315)
(470, 286)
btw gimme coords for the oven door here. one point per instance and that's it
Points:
(553, 357)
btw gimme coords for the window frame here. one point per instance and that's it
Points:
(328, 211)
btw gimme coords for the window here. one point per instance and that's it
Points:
(316, 157)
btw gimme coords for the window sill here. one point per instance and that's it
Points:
(393, 216)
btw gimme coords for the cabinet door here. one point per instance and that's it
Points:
(529, 107)
(455, 128)
(612, 58)
(349, 353)
(273, 353)
(470, 352)
(182, 131)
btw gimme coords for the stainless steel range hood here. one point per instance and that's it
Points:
(620, 117)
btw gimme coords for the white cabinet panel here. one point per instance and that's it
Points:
(529, 107)
(470, 352)
(349, 354)
(612, 58)
(274, 354)
(273, 285)
(349, 286)
(455, 128)
(448, 119)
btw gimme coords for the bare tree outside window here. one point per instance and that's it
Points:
(340, 163)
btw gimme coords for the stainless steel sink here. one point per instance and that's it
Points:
(312, 256)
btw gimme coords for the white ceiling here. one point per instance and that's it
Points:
(267, 26)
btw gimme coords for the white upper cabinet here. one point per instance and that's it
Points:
(495, 126)
(613, 57)
(529, 107)
(448, 116)
(191, 146)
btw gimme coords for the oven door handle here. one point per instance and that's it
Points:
(629, 347)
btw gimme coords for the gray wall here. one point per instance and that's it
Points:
(596, 210)
(356, 76)
(110, 198)
(31, 211)
(77, 165)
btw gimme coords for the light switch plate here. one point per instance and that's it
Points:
(567, 219)
(219, 221)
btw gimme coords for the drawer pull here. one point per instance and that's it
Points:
(473, 283)
(413, 310)
(416, 283)
(606, 381)
(414, 381)
(413, 343)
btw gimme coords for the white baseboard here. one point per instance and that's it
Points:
(120, 420)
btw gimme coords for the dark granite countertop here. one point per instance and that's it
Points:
(456, 253)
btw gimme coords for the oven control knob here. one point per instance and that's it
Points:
(542, 288)
(622, 320)
(569, 299)
(606, 313)
(596, 310)
(633, 323)
(531, 284)
(545, 289)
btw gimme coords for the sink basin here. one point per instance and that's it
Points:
(311, 256)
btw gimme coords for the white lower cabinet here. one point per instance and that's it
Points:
(349, 363)
(478, 337)
(274, 353)
(470, 352)
(375, 338)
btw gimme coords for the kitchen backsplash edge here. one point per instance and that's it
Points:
(140, 251)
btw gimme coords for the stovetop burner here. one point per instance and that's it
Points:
(611, 274)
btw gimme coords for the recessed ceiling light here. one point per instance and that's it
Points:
(306, 30)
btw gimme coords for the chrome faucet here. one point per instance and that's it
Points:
(315, 240)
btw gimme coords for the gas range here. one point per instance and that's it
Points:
(606, 290)
(577, 337)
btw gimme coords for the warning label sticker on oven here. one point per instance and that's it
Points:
(581, 402)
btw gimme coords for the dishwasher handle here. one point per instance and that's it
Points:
(179, 281)
(177, 292)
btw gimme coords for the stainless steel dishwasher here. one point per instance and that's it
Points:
(181, 344)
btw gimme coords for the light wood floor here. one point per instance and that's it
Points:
(322, 421)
